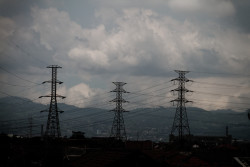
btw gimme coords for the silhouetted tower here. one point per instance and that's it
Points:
(53, 125)
(30, 127)
(118, 128)
(248, 114)
(42, 130)
(180, 123)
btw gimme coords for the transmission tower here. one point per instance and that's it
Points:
(30, 127)
(248, 114)
(118, 128)
(180, 123)
(53, 125)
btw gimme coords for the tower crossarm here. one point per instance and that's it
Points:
(52, 96)
(46, 110)
(121, 110)
(63, 97)
(57, 81)
(54, 66)
(181, 100)
(182, 79)
(121, 90)
(181, 89)
(119, 100)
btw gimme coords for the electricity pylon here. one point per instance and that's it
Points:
(248, 114)
(30, 127)
(53, 124)
(118, 128)
(180, 123)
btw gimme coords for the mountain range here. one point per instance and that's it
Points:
(23, 117)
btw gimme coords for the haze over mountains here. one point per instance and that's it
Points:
(141, 123)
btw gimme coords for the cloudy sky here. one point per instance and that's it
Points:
(140, 42)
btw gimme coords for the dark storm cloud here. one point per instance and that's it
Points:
(242, 14)
(14, 7)
(119, 39)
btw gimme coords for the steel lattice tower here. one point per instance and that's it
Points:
(30, 127)
(180, 123)
(248, 114)
(53, 125)
(118, 128)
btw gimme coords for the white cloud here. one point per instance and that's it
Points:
(138, 42)
(133, 41)
(80, 91)
(88, 57)
(212, 93)
(56, 29)
(138, 38)
(82, 95)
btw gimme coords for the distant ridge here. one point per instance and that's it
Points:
(142, 123)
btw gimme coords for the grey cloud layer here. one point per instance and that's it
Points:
(141, 38)
(127, 39)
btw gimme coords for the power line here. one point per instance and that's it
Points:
(108, 119)
(102, 104)
(103, 113)
(221, 107)
(26, 101)
(21, 119)
(26, 53)
(86, 98)
(144, 105)
(151, 87)
(137, 102)
(221, 73)
(220, 101)
(217, 94)
(14, 84)
(18, 76)
(218, 84)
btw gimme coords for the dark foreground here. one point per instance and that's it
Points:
(107, 152)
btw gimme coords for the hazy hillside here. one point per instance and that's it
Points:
(141, 123)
